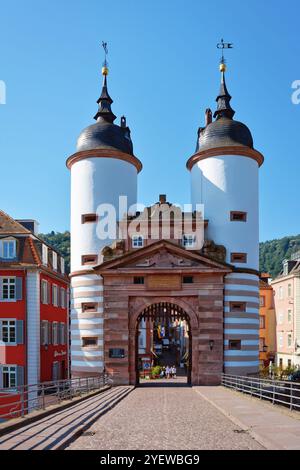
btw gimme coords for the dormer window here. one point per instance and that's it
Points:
(8, 249)
(189, 241)
(45, 255)
(54, 260)
(137, 241)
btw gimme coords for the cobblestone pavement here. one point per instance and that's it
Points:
(164, 418)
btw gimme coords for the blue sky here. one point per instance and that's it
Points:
(163, 74)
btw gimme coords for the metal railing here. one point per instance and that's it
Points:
(20, 401)
(282, 392)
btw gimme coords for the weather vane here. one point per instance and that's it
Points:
(105, 63)
(224, 45)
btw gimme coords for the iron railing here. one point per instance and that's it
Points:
(20, 401)
(282, 392)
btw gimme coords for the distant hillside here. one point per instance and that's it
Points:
(272, 252)
(61, 242)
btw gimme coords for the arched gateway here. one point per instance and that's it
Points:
(164, 338)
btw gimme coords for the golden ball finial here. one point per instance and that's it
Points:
(222, 67)
(104, 70)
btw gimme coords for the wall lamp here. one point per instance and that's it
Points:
(211, 344)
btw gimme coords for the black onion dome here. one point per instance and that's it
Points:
(224, 132)
(105, 135)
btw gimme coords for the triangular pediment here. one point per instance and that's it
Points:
(162, 255)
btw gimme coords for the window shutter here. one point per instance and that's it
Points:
(20, 331)
(48, 293)
(1, 377)
(20, 376)
(19, 286)
(59, 297)
(1, 288)
(49, 326)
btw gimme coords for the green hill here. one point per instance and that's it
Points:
(272, 252)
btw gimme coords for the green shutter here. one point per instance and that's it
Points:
(20, 331)
(19, 288)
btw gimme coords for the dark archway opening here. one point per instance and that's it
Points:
(163, 346)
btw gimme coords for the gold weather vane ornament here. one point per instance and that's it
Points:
(224, 45)
(105, 63)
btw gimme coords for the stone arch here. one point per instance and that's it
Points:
(138, 305)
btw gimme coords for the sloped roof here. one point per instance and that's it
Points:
(10, 226)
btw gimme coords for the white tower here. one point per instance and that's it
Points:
(103, 169)
(224, 177)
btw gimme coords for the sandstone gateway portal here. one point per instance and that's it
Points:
(137, 300)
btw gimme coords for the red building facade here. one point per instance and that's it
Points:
(33, 308)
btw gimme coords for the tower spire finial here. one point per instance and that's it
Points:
(105, 100)
(224, 109)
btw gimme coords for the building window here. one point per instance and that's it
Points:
(89, 259)
(280, 318)
(289, 363)
(62, 265)
(262, 322)
(281, 363)
(188, 241)
(235, 344)
(290, 316)
(55, 295)
(9, 376)
(89, 342)
(139, 280)
(8, 331)
(237, 306)
(137, 241)
(261, 344)
(55, 333)
(45, 255)
(8, 249)
(280, 341)
(262, 301)
(89, 307)
(290, 290)
(188, 279)
(54, 260)
(62, 333)
(9, 288)
(236, 216)
(238, 257)
(88, 218)
(281, 295)
(45, 292)
(45, 333)
(289, 340)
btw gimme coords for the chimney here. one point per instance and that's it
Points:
(208, 116)
(162, 198)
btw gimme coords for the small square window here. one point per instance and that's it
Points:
(89, 259)
(238, 257)
(89, 307)
(139, 280)
(89, 342)
(189, 241)
(137, 242)
(188, 279)
(235, 344)
(88, 218)
(238, 306)
(236, 216)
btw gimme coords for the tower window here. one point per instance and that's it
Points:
(188, 279)
(89, 259)
(188, 241)
(236, 216)
(235, 344)
(88, 218)
(238, 306)
(89, 342)
(139, 280)
(238, 257)
(89, 307)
